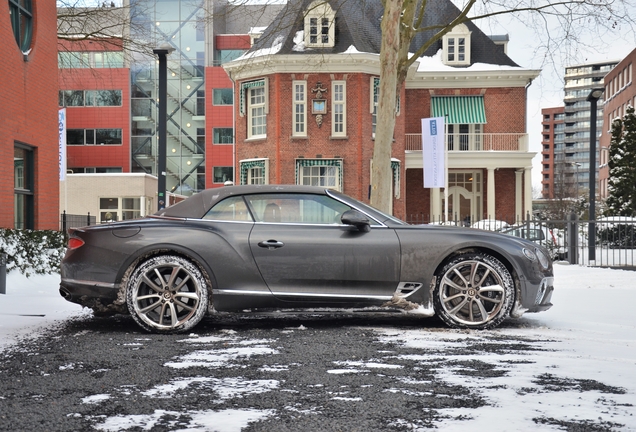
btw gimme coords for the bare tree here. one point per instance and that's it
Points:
(561, 24)
(107, 26)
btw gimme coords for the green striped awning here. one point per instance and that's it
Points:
(459, 109)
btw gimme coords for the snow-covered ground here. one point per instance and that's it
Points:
(588, 336)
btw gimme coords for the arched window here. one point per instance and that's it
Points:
(22, 22)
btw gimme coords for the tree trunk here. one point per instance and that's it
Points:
(381, 196)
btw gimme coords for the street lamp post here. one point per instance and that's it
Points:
(576, 167)
(593, 98)
(162, 53)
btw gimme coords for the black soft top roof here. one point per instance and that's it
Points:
(198, 205)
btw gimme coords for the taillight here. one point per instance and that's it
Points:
(74, 243)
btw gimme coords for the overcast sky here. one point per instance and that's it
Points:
(546, 91)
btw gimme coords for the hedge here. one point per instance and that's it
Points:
(32, 252)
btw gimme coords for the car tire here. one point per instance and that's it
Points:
(473, 291)
(167, 294)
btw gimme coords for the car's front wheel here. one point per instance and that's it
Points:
(473, 291)
(167, 294)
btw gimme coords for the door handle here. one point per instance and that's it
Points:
(271, 244)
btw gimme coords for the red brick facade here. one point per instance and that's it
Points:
(505, 109)
(28, 113)
(356, 149)
(620, 93)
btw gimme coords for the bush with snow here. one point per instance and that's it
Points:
(32, 252)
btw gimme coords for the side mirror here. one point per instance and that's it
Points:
(357, 219)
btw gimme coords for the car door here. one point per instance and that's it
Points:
(303, 250)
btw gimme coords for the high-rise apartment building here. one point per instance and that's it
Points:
(569, 168)
(553, 137)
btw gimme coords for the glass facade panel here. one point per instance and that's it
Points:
(223, 174)
(178, 23)
(224, 56)
(223, 135)
(223, 96)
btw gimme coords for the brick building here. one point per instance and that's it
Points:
(28, 109)
(307, 94)
(620, 93)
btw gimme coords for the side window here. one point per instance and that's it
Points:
(230, 209)
(536, 235)
(297, 208)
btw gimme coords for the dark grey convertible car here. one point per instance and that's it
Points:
(267, 247)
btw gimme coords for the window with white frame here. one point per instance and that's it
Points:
(256, 175)
(119, 208)
(256, 116)
(299, 95)
(375, 94)
(319, 172)
(319, 25)
(374, 98)
(339, 108)
(254, 171)
(456, 46)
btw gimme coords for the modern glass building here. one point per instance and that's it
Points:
(182, 25)
(203, 34)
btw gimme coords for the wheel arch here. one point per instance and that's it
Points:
(134, 260)
(482, 249)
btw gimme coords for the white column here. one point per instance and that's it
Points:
(519, 214)
(527, 190)
(142, 206)
(436, 204)
(490, 206)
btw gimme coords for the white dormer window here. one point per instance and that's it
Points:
(456, 46)
(319, 25)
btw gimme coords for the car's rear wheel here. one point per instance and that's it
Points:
(167, 294)
(473, 290)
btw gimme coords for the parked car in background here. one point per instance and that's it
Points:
(491, 225)
(550, 238)
(273, 247)
(617, 232)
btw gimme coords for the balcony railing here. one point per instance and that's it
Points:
(476, 142)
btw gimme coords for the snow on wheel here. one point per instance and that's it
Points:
(473, 291)
(167, 294)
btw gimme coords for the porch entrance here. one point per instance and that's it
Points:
(464, 196)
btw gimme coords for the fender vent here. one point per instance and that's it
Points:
(405, 289)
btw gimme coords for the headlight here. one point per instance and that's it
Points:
(544, 260)
(529, 254)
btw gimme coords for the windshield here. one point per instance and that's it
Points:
(371, 211)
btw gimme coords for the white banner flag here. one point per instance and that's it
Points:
(61, 116)
(433, 152)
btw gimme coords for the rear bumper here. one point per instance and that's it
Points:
(88, 293)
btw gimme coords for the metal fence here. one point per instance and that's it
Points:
(75, 221)
(612, 245)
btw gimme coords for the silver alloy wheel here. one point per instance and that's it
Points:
(474, 291)
(167, 294)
